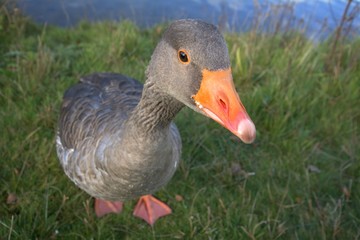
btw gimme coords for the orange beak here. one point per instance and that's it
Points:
(218, 99)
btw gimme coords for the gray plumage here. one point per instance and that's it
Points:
(116, 139)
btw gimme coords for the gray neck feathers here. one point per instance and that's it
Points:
(155, 110)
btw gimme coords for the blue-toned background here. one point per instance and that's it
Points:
(317, 18)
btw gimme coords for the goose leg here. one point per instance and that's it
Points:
(150, 209)
(103, 207)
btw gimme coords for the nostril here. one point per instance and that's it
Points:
(222, 104)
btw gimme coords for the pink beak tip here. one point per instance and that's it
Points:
(246, 131)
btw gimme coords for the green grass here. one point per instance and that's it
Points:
(299, 180)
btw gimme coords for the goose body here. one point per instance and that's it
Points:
(116, 139)
(97, 112)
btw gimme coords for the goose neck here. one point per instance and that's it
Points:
(155, 110)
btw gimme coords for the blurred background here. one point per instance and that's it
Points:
(317, 18)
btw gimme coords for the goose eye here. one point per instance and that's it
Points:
(183, 56)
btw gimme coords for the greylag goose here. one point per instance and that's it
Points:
(116, 139)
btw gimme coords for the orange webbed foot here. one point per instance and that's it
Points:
(103, 207)
(150, 209)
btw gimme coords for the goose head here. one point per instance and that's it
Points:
(191, 64)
